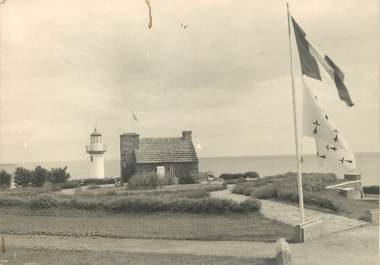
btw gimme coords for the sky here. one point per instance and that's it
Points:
(68, 66)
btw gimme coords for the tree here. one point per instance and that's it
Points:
(5, 179)
(39, 176)
(251, 174)
(58, 175)
(22, 176)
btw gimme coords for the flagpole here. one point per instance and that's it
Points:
(299, 173)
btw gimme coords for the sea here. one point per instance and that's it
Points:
(367, 166)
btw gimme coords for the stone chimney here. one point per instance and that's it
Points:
(186, 135)
(128, 143)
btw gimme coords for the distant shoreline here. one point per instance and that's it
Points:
(200, 157)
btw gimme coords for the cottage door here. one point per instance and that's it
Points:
(160, 171)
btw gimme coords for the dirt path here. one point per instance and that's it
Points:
(289, 214)
(195, 247)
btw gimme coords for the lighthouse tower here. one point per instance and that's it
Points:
(96, 150)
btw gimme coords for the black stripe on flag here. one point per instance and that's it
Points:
(338, 79)
(309, 64)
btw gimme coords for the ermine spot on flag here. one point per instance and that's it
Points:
(333, 153)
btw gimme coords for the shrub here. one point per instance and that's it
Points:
(22, 176)
(230, 181)
(143, 181)
(93, 187)
(190, 194)
(371, 189)
(70, 184)
(95, 181)
(38, 176)
(166, 180)
(42, 202)
(200, 176)
(284, 187)
(226, 176)
(11, 201)
(322, 201)
(5, 179)
(251, 174)
(186, 179)
(58, 175)
(251, 205)
(264, 192)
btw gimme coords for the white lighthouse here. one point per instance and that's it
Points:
(96, 150)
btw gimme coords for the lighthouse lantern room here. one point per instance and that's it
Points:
(96, 150)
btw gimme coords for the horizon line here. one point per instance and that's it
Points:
(200, 157)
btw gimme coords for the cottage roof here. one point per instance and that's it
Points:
(165, 150)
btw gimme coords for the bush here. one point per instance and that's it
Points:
(203, 205)
(167, 180)
(51, 186)
(251, 205)
(95, 181)
(5, 179)
(230, 181)
(11, 201)
(284, 187)
(264, 192)
(38, 176)
(251, 174)
(200, 176)
(22, 176)
(143, 181)
(190, 194)
(70, 184)
(291, 194)
(58, 175)
(322, 201)
(186, 179)
(42, 202)
(371, 189)
(93, 187)
(226, 176)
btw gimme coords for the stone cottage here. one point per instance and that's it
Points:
(167, 156)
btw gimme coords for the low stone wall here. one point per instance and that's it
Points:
(352, 176)
(350, 189)
(309, 230)
(351, 193)
(283, 254)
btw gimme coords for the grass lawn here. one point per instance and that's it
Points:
(356, 209)
(64, 257)
(228, 226)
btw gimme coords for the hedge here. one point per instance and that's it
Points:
(226, 176)
(71, 184)
(371, 189)
(140, 204)
(284, 187)
(248, 174)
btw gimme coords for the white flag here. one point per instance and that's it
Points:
(334, 155)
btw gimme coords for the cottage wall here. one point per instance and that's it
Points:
(128, 143)
(181, 170)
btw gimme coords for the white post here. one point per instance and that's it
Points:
(300, 191)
